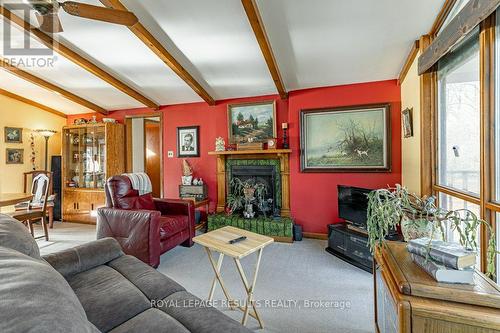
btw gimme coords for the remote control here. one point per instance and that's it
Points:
(236, 240)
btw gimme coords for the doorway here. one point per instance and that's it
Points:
(144, 138)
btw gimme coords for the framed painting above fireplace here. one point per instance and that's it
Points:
(252, 122)
(346, 139)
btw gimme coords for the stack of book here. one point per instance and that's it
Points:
(445, 261)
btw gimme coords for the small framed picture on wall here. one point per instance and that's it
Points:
(188, 141)
(407, 118)
(14, 156)
(13, 135)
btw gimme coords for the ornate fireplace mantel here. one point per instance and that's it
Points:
(279, 154)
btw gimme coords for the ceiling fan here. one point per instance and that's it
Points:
(47, 14)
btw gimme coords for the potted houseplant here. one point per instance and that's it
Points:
(419, 217)
(244, 194)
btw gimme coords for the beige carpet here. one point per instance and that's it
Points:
(301, 288)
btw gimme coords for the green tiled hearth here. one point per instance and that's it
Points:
(280, 229)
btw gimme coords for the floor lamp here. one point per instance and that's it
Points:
(46, 134)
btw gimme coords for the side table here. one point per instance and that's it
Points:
(218, 241)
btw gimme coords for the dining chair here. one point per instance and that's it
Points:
(36, 208)
(50, 202)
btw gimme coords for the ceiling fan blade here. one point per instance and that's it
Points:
(49, 23)
(122, 17)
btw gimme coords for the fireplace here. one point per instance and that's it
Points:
(270, 167)
(252, 172)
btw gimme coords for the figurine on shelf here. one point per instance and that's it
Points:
(93, 120)
(284, 126)
(220, 144)
(80, 121)
(187, 173)
(196, 182)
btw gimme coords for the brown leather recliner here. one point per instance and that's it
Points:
(144, 226)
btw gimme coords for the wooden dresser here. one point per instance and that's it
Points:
(91, 154)
(407, 299)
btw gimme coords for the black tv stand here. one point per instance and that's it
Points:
(351, 245)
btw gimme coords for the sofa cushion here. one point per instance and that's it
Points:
(153, 284)
(152, 320)
(197, 316)
(172, 224)
(14, 235)
(84, 257)
(108, 298)
(34, 297)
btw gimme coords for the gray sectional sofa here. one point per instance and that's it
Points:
(93, 288)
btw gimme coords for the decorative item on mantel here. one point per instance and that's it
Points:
(251, 144)
(187, 172)
(284, 126)
(220, 145)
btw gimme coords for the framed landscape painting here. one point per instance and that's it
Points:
(251, 122)
(347, 139)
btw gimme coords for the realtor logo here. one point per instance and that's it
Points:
(18, 48)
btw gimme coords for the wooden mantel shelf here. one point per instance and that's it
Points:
(251, 152)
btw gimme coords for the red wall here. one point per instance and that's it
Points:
(313, 196)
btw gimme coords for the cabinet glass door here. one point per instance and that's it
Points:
(87, 142)
(99, 156)
(74, 152)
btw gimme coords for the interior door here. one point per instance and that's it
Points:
(152, 137)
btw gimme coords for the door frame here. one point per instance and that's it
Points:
(128, 143)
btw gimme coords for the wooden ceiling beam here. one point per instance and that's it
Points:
(76, 58)
(154, 45)
(32, 103)
(259, 30)
(49, 86)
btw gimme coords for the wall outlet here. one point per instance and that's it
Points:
(170, 154)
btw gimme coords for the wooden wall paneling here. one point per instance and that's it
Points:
(115, 149)
(428, 103)
(128, 145)
(459, 27)
(32, 103)
(487, 132)
(76, 58)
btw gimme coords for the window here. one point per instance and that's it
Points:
(458, 147)
(459, 118)
(465, 129)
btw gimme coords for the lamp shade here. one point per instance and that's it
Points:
(46, 132)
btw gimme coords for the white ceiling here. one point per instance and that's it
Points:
(316, 43)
